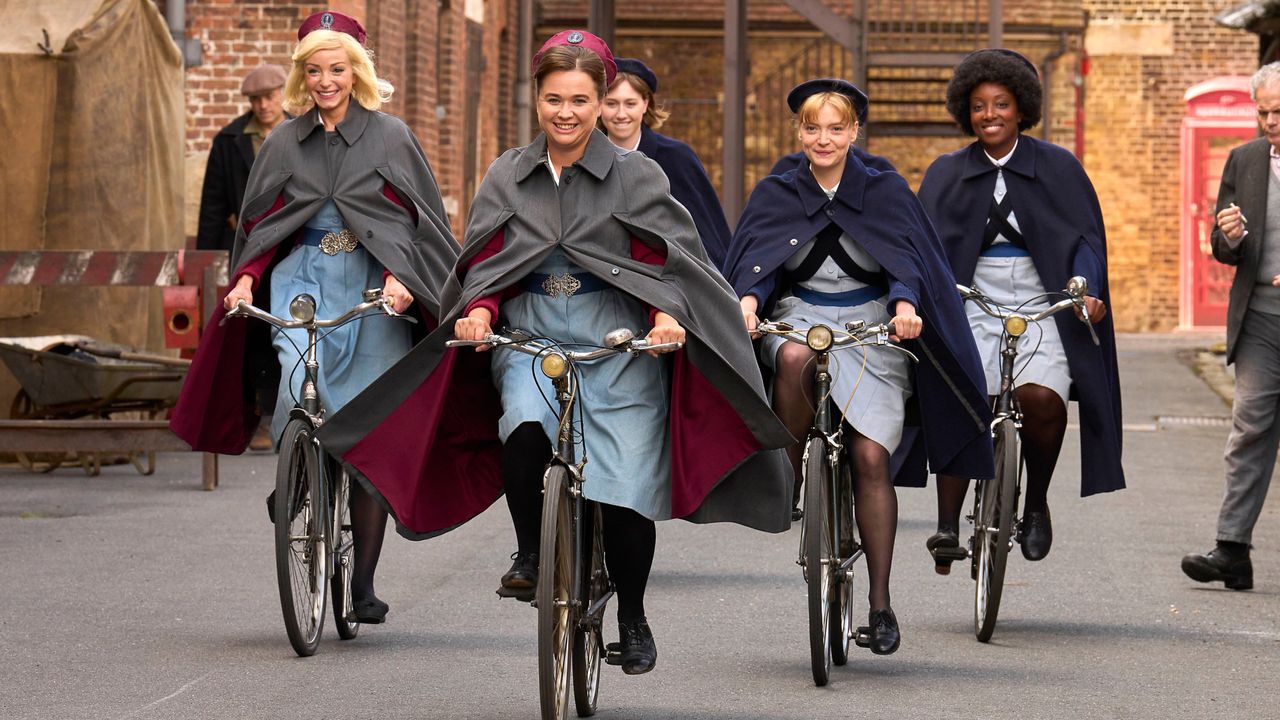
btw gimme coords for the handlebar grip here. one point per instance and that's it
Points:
(893, 330)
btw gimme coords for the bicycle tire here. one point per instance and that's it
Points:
(998, 508)
(842, 617)
(819, 554)
(301, 538)
(556, 617)
(343, 557)
(587, 641)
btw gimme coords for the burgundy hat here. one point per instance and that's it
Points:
(330, 20)
(582, 38)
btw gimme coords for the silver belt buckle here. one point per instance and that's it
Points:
(334, 243)
(556, 285)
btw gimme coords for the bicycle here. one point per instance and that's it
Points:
(313, 544)
(995, 503)
(828, 543)
(573, 584)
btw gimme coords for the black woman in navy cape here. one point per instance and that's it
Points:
(1060, 216)
(950, 389)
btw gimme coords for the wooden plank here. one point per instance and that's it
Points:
(88, 436)
(155, 268)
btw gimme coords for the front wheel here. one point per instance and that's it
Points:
(300, 537)
(343, 557)
(587, 640)
(997, 502)
(846, 545)
(557, 618)
(819, 557)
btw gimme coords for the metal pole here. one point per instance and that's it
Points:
(602, 21)
(523, 90)
(995, 24)
(735, 107)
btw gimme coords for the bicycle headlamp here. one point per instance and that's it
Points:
(1015, 325)
(554, 365)
(303, 308)
(819, 338)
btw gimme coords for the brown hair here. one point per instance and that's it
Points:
(564, 58)
(654, 116)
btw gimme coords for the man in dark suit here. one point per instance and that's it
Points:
(1247, 236)
(232, 154)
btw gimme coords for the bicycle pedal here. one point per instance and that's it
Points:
(862, 637)
(522, 594)
(950, 553)
(613, 654)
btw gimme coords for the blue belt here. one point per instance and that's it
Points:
(330, 243)
(849, 298)
(1005, 250)
(566, 284)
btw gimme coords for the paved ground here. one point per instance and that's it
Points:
(133, 597)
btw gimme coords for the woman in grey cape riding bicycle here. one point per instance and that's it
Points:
(1019, 217)
(340, 199)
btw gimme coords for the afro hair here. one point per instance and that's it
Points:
(1001, 67)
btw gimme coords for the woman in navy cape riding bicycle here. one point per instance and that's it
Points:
(340, 199)
(833, 241)
(1019, 217)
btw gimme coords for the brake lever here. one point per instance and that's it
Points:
(1084, 313)
(233, 312)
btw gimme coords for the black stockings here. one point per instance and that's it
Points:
(875, 504)
(1044, 423)
(368, 526)
(792, 388)
(629, 537)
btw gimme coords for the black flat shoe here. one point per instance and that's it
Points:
(369, 611)
(1232, 569)
(636, 652)
(796, 514)
(1035, 532)
(521, 581)
(885, 637)
(944, 546)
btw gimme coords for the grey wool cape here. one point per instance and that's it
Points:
(384, 189)
(615, 218)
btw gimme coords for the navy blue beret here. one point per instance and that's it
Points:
(806, 89)
(640, 70)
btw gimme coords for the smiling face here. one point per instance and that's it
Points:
(1268, 98)
(993, 112)
(826, 137)
(623, 114)
(568, 107)
(329, 80)
(268, 107)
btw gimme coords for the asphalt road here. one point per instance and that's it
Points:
(143, 597)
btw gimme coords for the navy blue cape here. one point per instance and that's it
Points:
(875, 162)
(691, 187)
(1061, 221)
(880, 212)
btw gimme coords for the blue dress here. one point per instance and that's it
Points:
(623, 399)
(350, 356)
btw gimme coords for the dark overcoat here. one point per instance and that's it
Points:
(225, 176)
(879, 211)
(691, 187)
(439, 408)
(387, 196)
(1061, 221)
(1244, 182)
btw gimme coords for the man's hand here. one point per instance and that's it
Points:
(1231, 222)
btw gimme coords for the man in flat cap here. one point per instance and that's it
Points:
(232, 154)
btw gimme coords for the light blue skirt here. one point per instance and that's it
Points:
(1042, 359)
(350, 356)
(622, 413)
(869, 385)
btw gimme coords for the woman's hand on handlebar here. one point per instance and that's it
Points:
(395, 291)
(243, 290)
(665, 330)
(475, 326)
(1097, 309)
(907, 323)
(749, 306)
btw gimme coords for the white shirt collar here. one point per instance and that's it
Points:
(555, 174)
(1002, 161)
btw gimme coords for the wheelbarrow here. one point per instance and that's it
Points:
(75, 377)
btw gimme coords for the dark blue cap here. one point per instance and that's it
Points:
(804, 90)
(640, 70)
(1007, 53)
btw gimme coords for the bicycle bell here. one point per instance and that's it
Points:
(1078, 286)
(621, 336)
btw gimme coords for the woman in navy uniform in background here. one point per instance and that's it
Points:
(1018, 217)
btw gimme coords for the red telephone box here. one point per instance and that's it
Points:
(1220, 115)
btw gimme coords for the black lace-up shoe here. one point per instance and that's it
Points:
(1231, 568)
(370, 610)
(885, 636)
(944, 546)
(1035, 532)
(636, 652)
(521, 581)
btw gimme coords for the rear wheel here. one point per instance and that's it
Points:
(995, 519)
(301, 549)
(343, 558)
(556, 617)
(846, 544)
(819, 558)
(587, 640)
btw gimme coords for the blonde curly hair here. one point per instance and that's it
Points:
(367, 88)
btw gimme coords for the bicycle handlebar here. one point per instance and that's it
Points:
(854, 334)
(527, 346)
(1077, 289)
(373, 300)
